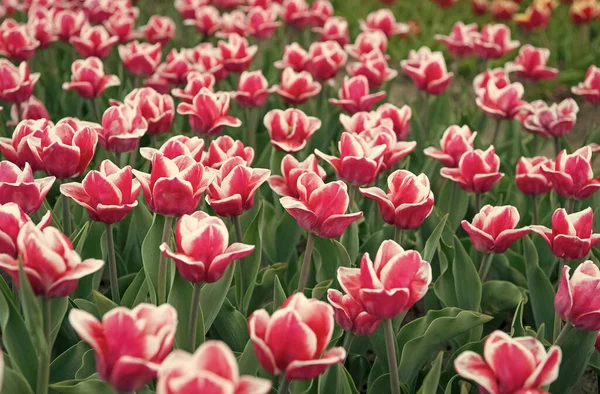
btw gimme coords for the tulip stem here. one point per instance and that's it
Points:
(536, 219)
(66, 216)
(390, 348)
(398, 235)
(477, 202)
(133, 155)
(496, 131)
(112, 265)
(162, 262)
(193, 323)
(562, 336)
(118, 159)
(237, 268)
(284, 385)
(310, 244)
(426, 115)
(484, 268)
(352, 197)
(348, 342)
(43, 375)
(569, 205)
(556, 145)
(97, 110)
(251, 126)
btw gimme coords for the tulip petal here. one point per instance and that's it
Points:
(235, 251)
(471, 365)
(257, 327)
(310, 369)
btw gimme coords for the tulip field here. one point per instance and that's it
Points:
(299, 196)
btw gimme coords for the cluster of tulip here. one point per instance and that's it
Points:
(183, 279)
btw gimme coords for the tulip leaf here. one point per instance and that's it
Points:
(500, 296)
(151, 254)
(279, 295)
(371, 245)
(212, 297)
(576, 351)
(103, 304)
(248, 363)
(137, 286)
(250, 265)
(90, 248)
(335, 377)
(517, 329)
(320, 289)
(88, 365)
(541, 291)
(433, 242)
(14, 383)
(466, 279)
(287, 236)
(329, 255)
(65, 365)
(300, 386)
(32, 312)
(231, 327)
(59, 307)
(91, 385)
(263, 286)
(350, 241)
(180, 298)
(454, 202)
(432, 379)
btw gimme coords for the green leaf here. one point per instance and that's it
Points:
(371, 245)
(300, 386)
(500, 296)
(350, 241)
(250, 265)
(180, 298)
(248, 363)
(328, 255)
(278, 294)
(32, 312)
(432, 380)
(321, 288)
(335, 381)
(65, 365)
(103, 304)
(136, 287)
(14, 383)
(517, 329)
(88, 365)
(454, 202)
(231, 327)
(433, 241)
(576, 351)
(151, 254)
(59, 308)
(212, 297)
(87, 386)
(90, 247)
(466, 279)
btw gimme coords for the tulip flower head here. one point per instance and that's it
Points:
(253, 89)
(223, 148)
(140, 58)
(572, 176)
(354, 96)
(159, 29)
(291, 169)
(530, 177)
(493, 42)
(428, 70)
(16, 83)
(590, 87)
(179, 145)
(297, 87)
(477, 171)
(531, 64)
(460, 41)
(19, 187)
(384, 21)
(209, 112)
(550, 120)
(93, 41)
(122, 128)
(12, 219)
(577, 299)
(455, 142)
(291, 129)
(195, 82)
(17, 41)
(88, 78)
(325, 59)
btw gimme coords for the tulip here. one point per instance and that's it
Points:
(232, 192)
(291, 129)
(325, 59)
(176, 68)
(32, 109)
(295, 13)
(294, 56)
(321, 11)
(68, 23)
(187, 8)
(121, 25)
(590, 87)
(572, 176)
(427, 70)
(374, 66)
(23, 146)
(366, 42)
(537, 15)
(479, 7)
(208, 113)
(455, 142)
(40, 22)
(176, 146)
(93, 41)
(12, 219)
(336, 29)
(140, 58)
(503, 9)
(576, 300)
(233, 23)
(297, 88)
(550, 121)
(531, 179)
(158, 109)
(286, 184)
(499, 76)
(237, 54)
(359, 161)
(195, 82)
(88, 78)
(460, 41)
(477, 171)
(223, 148)
(17, 41)
(394, 149)
(98, 11)
(361, 121)
(122, 128)
(510, 365)
(213, 368)
(584, 11)
(21, 188)
(16, 83)
(253, 89)
(531, 64)
(493, 42)
(500, 103)
(399, 118)
(130, 345)
(354, 95)
(408, 201)
(262, 22)
(384, 21)
(159, 29)
(293, 340)
(571, 236)
(208, 59)
(207, 20)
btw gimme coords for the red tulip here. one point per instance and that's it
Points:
(51, 265)
(477, 170)
(530, 177)
(16, 84)
(531, 64)
(195, 82)
(203, 250)
(129, 345)
(214, 370)
(584, 11)
(108, 195)
(68, 23)
(40, 22)
(237, 54)
(571, 236)
(455, 142)
(158, 109)
(294, 56)
(232, 192)
(325, 59)
(208, 113)
(88, 78)
(21, 188)
(286, 184)
(460, 41)
(253, 89)
(590, 87)
(374, 67)
(493, 229)
(361, 121)
(336, 29)
(176, 68)
(384, 21)
(140, 59)
(233, 22)
(17, 41)
(208, 59)
(223, 148)
(12, 219)
(187, 8)
(99, 11)
(503, 9)
(93, 41)
(296, 13)
(501, 103)
(176, 146)
(572, 176)
(394, 149)
(498, 76)
(157, 82)
(537, 15)
(550, 121)
(479, 7)
(32, 109)
(122, 128)
(262, 22)
(427, 70)
(291, 129)
(354, 95)
(297, 88)
(320, 208)
(293, 340)
(367, 42)
(23, 146)
(494, 41)
(121, 25)
(159, 29)
(399, 118)
(510, 365)
(207, 20)
(576, 299)
(320, 11)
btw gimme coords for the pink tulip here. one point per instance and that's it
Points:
(399, 118)
(477, 171)
(67, 23)
(159, 29)
(286, 184)
(195, 82)
(349, 312)
(550, 121)
(455, 142)
(384, 21)
(590, 87)
(17, 41)
(23, 146)
(374, 66)
(367, 42)
(584, 11)
(88, 78)
(336, 29)
(493, 229)
(297, 88)
(158, 109)
(207, 20)
(576, 299)
(427, 70)
(296, 13)
(233, 22)
(237, 53)
(121, 25)
(493, 42)
(294, 56)
(394, 149)
(354, 95)
(325, 59)
(209, 112)
(530, 177)
(176, 146)
(531, 64)
(320, 12)
(21, 188)
(262, 22)
(32, 109)
(499, 76)
(361, 121)
(500, 103)
(176, 67)
(253, 89)
(572, 176)
(12, 219)
(93, 41)
(16, 83)
(223, 148)
(187, 8)
(122, 128)
(208, 59)
(460, 41)
(140, 59)
(291, 129)
(40, 22)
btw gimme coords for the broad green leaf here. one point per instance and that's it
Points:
(300, 386)
(65, 365)
(320, 289)
(212, 297)
(180, 298)
(87, 386)
(251, 264)
(88, 365)
(32, 312)
(350, 241)
(432, 379)
(278, 294)
(130, 295)
(103, 304)
(231, 327)
(151, 254)
(517, 329)
(454, 202)
(14, 383)
(328, 255)
(335, 381)
(90, 247)
(576, 351)
(433, 241)
(248, 363)
(466, 279)
(500, 296)
(371, 245)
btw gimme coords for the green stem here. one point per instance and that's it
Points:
(536, 219)
(153, 141)
(66, 216)
(348, 342)
(284, 385)
(133, 156)
(118, 159)
(97, 112)
(193, 323)
(390, 348)
(426, 115)
(237, 268)
(569, 205)
(496, 131)
(477, 202)
(352, 197)
(484, 268)
(563, 334)
(43, 375)
(112, 265)
(556, 145)
(310, 244)
(162, 262)
(398, 235)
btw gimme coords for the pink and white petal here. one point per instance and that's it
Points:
(471, 365)
(310, 369)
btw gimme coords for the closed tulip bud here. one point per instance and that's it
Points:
(22, 148)
(572, 176)
(297, 88)
(207, 20)
(195, 82)
(399, 118)
(531, 64)
(176, 146)
(108, 194)
(232, 192)
(460, 41)
(320, 208)
(286, 184)
(577, 299)
(291, 129)
(354, 95)
(253, 89)
(68, 23)
(366, 42)
(203, 250)
(237, 53)
(214, 370)
(209, 112)
(477, 171)
(122, 128)
(325, 59)
(223, 148)
(336, 29)
(530, 177)
(408, 201)
(501, 103)
(140, 58)
(374, 66)
(455, 142)
(93, 41)
(122, 25)
(293, 340)
(262, 22)
(427, 70)
(159, 29)
(21, 188)
(384, 21)
(12, 219)
(32, 109)
(17, 41)
(493, 42)
(174, 187)
(571, 236)
(176, 68)
(510, 365)
(16, 83)
(294, 56)
(394, 149)
(88, 78)
(493, 229)
(51, 265)
(129, 345)
(590, 87)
